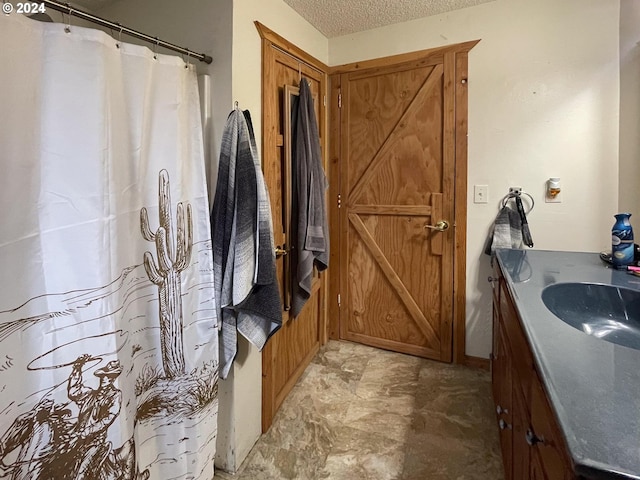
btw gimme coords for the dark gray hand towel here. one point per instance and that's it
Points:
(506, 231)
(309, 214)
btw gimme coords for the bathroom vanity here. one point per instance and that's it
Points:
(567, 402)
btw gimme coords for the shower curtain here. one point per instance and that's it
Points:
(108, 336)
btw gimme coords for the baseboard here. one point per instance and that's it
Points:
(476, 362)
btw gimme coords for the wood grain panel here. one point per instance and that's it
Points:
(376, 105)
(394, 280)
(404, 243)
(402, 135)
(289, 351)
(294, 342)
(399, 148)
(429, 56)
(419, 210)
(460, 278)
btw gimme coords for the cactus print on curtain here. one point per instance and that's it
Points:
(108, 335)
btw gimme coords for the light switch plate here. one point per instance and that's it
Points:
(480, 194)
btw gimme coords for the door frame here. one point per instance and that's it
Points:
(457, 70)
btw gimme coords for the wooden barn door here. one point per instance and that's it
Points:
(398, 203)
(291, 349)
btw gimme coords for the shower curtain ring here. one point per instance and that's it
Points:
(188, 57)
(155, 49)
(119, 37)
(67, 29)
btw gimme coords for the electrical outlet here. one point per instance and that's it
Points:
(480, 194)
(515, 190)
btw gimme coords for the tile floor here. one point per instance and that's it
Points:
(360, 413)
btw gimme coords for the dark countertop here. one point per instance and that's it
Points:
(593, 385)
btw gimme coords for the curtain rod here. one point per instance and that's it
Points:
(69, 10)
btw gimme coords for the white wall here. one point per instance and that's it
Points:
(543, 102)
(629, 194)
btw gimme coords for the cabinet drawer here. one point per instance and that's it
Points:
(522, 360)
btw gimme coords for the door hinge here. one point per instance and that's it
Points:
(339, 201)
(340, 100)
(339, 301)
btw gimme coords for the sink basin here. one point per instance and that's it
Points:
(605, 311)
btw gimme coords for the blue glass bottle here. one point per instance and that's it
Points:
(622, 249)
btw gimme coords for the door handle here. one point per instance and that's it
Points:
(440, 226)
(280, 252)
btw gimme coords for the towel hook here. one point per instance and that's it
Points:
(236, 104)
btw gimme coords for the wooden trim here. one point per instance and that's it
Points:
(335, 232)
(476, 362)
(284, 44)
(403, 57)
(287, 181)
(343, 222)
(267, 387)
(409, 210)
(392, 345)
(397, 67)
(448, 212)
(269, 138)
(460, 215)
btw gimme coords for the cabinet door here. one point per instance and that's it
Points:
(502, 385)
(546, 436)
(497, 363)
(521, 449)
(537, 472)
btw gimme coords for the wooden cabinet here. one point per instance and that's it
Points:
(532, 444)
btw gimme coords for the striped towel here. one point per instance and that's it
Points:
(247, 293)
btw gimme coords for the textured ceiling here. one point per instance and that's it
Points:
(341, 17)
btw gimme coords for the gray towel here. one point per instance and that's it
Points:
(506, 231)
(310, 230)
(247, 294)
